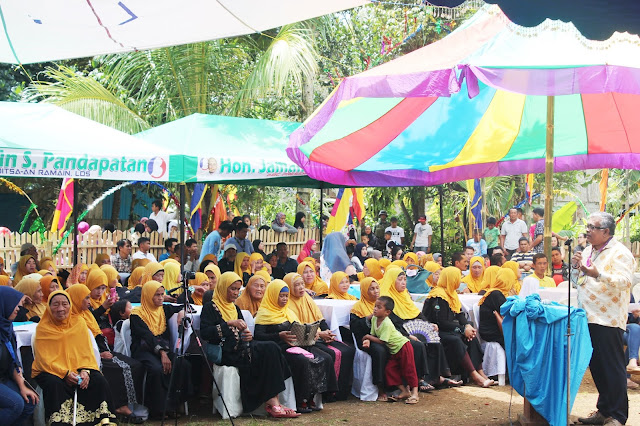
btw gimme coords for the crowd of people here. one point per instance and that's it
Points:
(80, 315)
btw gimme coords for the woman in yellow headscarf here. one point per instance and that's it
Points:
(387, 279)
(510, 264)
(48, 264)
(496, 295)
(308, 312)
(435, 270)
(489, 277)
(78, 274)
(241, 267)
(476, 272)
(49, 284)
(135, 277)
(36, 309)
(340, 287)
(26, 265)
(102, 259)
(312, 282)
(371, 268)
(172, 277)
(97, 283)
(360, 326)
(200, 285)
(457, 335)
(273, 322)
(260, 364)
(152, 272)
(400, 263)
(411, 259)
(253, 294)
(135, 263)
(384, 263)
(422, 260)
(397, 290)
(5, 280)
(151, 345)
(63, 353)
(213, 273)
(256, 263)
(120, 371)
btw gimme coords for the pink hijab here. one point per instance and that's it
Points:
(306, 250)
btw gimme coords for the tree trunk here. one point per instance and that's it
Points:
(132, 219)
(115, 209)
(304, 194)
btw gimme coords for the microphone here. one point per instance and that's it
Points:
(568, 242)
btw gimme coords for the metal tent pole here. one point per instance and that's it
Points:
(441, 222)
(321, 210)
(75, 222)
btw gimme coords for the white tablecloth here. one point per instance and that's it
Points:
(24, 332)
(467, 300)
(558, 295)
(335, 312)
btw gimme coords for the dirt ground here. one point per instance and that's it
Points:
(467, 405)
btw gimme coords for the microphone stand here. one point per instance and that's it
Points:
(569, 334)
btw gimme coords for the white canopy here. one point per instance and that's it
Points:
(45, 30)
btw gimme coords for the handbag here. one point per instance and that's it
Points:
(213, 352)
(416, 283)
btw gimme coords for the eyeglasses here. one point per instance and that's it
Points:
(591, 227)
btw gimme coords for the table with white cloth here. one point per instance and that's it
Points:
(336, 312)
(467, 300)
(24, 332)
(558, 295)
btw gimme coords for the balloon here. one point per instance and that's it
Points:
(83, 227)
(144, 219)
(4, 230)
(94, 229)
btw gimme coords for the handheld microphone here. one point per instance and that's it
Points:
(568, 242)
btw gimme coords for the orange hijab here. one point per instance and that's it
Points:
(319, 286)
(335, 292)
(247, 303)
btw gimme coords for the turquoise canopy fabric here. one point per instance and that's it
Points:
(536, 348)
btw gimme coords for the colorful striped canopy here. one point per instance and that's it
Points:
(448, 111)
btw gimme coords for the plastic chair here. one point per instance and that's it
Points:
(363, 387)
(494, 362)
(122, 340)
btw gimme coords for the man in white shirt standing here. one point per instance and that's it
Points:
(161, 217)
(144, 245)
(604, 290)
(422, 236)
(511, 232)
(397, 233)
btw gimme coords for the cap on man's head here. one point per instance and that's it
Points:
(382, 212)
(229, 247)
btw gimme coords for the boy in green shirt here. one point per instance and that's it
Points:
(491, 235)
(401, 366)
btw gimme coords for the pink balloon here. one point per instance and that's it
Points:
(4, 230)
(83, 227)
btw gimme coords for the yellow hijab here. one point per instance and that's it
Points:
(150, 270)
(148, 312)
(400, 263)
(411, 259)
(364, 307)
(245, 301)
(237, 266)
(387, 280)
(77, 293)
(334, 291)
(45, 284)
(100, 258)
(474, 284)
(216, 271)
(255, 256)
(448, 283)
(4, 280)
(227, 309)
(304, 307)
(139, 262)
(135, 277)
(46, 263)
(384, 263)
(432, 267)
(95, 279)
(516, 270)
(375, 271)
(112, 275)
(171, 278)
(319, 286)
(62, 347)
(405, 308)
(489, 276)
(197, 281)
(505, 281)
(22, 268)
(265, 276)
(422, 260)
(28, 287)
(270, 311)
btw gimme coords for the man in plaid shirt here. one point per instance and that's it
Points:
(122, 260)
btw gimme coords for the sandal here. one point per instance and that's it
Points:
(425, 387)
(392, 398)
(412, 400)
(278, 412)
(383, 398)
(634, 371)
(488, 383)
(448, 383)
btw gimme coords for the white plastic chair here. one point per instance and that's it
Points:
(363, 387)
(494, 362)
(122, 339)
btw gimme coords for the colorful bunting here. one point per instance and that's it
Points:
(604, 183)
(340, 212)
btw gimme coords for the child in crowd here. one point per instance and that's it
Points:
(388, 244)
(491, 235)
(401, 366)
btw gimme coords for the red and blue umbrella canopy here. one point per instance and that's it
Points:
(474, 105)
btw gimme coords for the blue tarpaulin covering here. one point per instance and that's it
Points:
(536, 347)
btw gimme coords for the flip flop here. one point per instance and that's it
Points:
(383, 398)
(392, 398)
(448, 383)
(634, 371)
(425, 387)
(412, 400)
